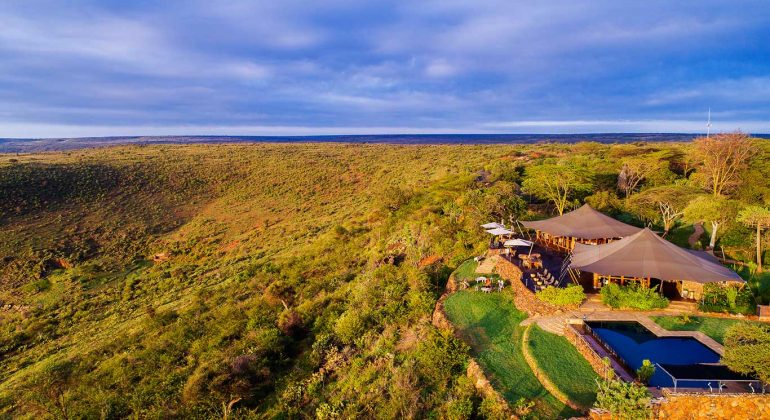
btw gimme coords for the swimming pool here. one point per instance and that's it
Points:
(633, 343)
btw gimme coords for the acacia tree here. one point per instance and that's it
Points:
(666, 203)
(716, 210)
(758, 217)
(746, 349)
(558, 184)
(722, 159)
(637, 169)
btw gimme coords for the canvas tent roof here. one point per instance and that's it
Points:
(584, 223)
(645, 254)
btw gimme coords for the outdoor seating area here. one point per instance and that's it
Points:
(543, 279)
(487, 285)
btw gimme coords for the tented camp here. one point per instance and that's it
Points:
(584, 225)
(650, 259)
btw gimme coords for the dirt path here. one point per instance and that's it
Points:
(693, 239)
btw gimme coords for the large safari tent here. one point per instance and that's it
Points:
(651, 260)
(583, 225)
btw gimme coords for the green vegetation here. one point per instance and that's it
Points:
(632, 296)
(715, 328)
(623, 400)
(296, 280)
(729, 299)
(645, 372)
(572, 295)
(746, 349)
(490, 324)
(564, 366)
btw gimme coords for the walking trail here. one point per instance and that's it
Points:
(693, 239)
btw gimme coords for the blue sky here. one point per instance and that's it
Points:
(96, 68)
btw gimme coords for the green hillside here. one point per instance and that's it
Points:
(269, 280)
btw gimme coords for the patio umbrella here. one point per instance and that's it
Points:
(499, 231)
(518, 242)
(493, 225)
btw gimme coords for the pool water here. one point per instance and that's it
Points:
(633, 343)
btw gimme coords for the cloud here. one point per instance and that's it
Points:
(433, 64)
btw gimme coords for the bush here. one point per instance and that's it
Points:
(730, 299)
(645, 371)
(746, 349)
(623, 400)
(633, 296)
(568, 296)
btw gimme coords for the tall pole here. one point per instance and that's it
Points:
(708, 125)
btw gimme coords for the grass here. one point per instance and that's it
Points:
(490, 325)
(466, 270)
(712, 327)
(566, 368)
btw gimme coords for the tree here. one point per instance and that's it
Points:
(722, 159)
(637, 169)
(666, 203)
(747, 346)
(716, 210)
(559, 184)
(503, 203)
(759, 217)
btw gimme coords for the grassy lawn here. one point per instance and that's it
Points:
(466, 270)
(490, 325)
(712, 327)
(566, 368)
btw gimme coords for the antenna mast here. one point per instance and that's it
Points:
(708, 124)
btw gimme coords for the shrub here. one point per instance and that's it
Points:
(731, 299)
(633, 296)
(623, 400)
(568, 296)
(645, 371)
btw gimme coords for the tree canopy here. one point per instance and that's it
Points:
(747, 350)
(560, 184)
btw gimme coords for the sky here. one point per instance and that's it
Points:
(107, 67)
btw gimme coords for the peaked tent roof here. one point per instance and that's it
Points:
(585, 223)
(646, 254)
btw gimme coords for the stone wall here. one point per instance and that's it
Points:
(712, 406)
(573, 336)
(524, 298)
(675, 406)
(695, 287)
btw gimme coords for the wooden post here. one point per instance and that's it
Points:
(596, 281)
